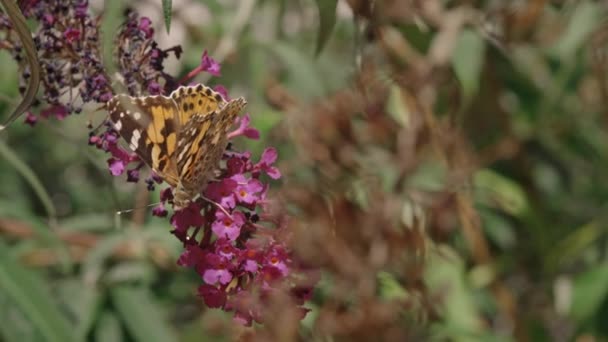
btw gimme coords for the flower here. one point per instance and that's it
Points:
(133, 175)
(30, 119)
(244, 129)
(228, 227)
(58, 111)
(213, 297)
(268, 158)
(160, 210)
(222, 192)
(71, 35)
(116, 166)
(183, 219)
(247, 190)
(145, 25)
(209, 65)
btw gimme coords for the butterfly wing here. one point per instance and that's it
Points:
(197, 99)
(150, 126)
(201, 144)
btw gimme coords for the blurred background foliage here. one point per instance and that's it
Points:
(446, 167)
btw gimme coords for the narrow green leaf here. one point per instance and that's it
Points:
(31, 55)
(83, 303)
(584, 21)
(13, 325)
(572, 246)
(327, 21)
(167, 14)
(31, 295)
(108, 328)
(589, 291)
(397, 107)
(496, 190)
(467, 61)
(141, 315)
(26, 172)
(110, 23)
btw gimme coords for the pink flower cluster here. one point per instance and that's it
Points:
(231, 243)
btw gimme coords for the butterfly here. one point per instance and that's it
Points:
(182, 137)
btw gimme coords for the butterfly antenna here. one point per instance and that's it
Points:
(217, 205)
(120, 212)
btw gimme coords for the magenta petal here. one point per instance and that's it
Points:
(59, 111)
(159, 210)
(191, 256)
(273, 172)
(116, 166)
(242, 319)
(269, 156)
(213, 297)
(251, 266)
(251, 133)
(133, 176)
(31, 119)
(186, 218)
(212, 276)
(209, 65)
(225, 227)
(220, 89)
(166, 195)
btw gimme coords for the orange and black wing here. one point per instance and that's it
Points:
(201, 143)
(149, 125)
(197, 99)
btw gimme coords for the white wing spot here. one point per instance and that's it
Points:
(122, 115)
(137, 115)
(135, 140)
(118, 125)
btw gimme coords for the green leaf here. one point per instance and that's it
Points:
(26, 172)
(467, 61)
(88, 222)
(108, 328)
(142, 317)
(585, 19)
(92, 266)
(130, 271)
(390, 288)
(13, 325)
(303, 73)
(31, 295)
(497, 191)
(167, 14)
(590, 289)
(110, 23)
(572, 246)
(82, 301)
(397, 106)
(327, 21)
(446, 274)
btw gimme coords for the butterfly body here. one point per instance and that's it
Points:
(182, 136)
